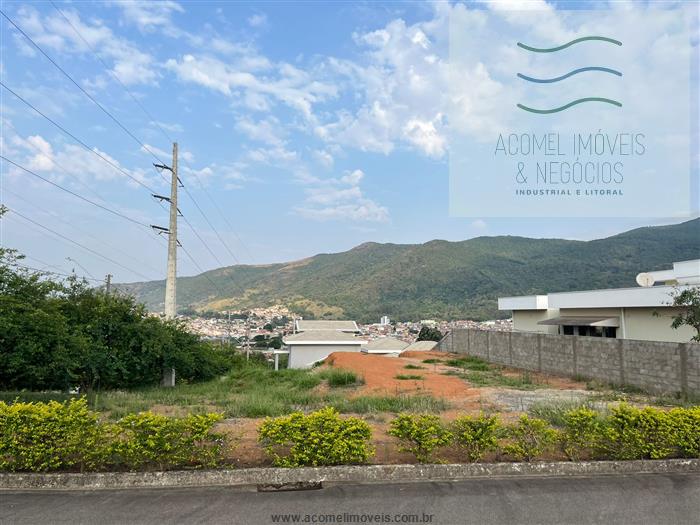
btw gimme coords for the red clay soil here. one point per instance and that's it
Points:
(379, 373)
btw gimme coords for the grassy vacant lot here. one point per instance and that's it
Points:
(480, 373)
(251, 389)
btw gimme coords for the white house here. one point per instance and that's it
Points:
(316, 340)
(642, 313)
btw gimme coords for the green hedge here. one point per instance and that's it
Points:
(319, 438)
(40, 437)
(625, 433)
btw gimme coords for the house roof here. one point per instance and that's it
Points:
(421, 346)
(386, 343)
(303, 325)
(323, 337)
(653, 296)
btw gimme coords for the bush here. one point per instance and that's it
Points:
(631, 433)
(530, 438)
(337, 377)
(582, 433)
(39, 437)
(320, 438)
(420, 434)
(686, 430)
(151, 440)
(476, 435)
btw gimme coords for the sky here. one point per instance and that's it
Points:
(303, 128)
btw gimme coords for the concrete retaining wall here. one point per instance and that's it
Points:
(344, 474)
(650, 365)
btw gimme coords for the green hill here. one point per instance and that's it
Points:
(438, 279)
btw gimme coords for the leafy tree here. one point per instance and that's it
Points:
(57, 335)
(688, 301)
(429, 333)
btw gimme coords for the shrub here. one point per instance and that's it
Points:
(320, 438)
(147, 439)
(41, 437)
(631, 433)
(414, 367)
(529, 438)
(476, 435)
(50, 436)
(582, 432)
(338, 377)
(686, 430)
(554, 411)
(406, 377)
(420, 434)
(469, 363)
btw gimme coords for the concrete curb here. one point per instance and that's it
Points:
(342, 474)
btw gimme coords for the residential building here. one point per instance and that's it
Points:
(643, 312)
(316, 340)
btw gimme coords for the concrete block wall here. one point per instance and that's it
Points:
(650, 365)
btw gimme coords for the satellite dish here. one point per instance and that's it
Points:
(645, 279)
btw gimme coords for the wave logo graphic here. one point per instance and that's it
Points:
(598, 69)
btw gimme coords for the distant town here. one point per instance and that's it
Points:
(271, 323)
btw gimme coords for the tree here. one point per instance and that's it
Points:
(62, 334)
(688, 301)
(429, 333)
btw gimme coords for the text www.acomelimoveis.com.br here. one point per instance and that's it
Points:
(347, 517)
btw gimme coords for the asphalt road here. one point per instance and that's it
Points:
(639, 500)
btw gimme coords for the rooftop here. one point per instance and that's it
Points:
(649, 294)
(386, 343)
(303, 325)
(321, 337)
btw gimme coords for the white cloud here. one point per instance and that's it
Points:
(340, 199)
(268, 130)
(323, 157)
(282, 83)
(425, 135)
(257, 20)
(53, 32)
(149, 15)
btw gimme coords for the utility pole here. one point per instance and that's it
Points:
(171, 278)
(170, 282)
(108, 283)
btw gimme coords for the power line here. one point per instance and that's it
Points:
(94, 252)
(60, 274)
(53, 160)
(115, 119)
(154, 121)
(96, 239)
(83, 144)
(50, 272)
(105, 208)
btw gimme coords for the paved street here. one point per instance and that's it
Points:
(642, 499)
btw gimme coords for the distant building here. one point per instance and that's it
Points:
(385, 320)
(316, 340)
(302, 325)
(385, 345)
(641, 313)
(421, 346)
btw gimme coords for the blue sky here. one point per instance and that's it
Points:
(303, 128)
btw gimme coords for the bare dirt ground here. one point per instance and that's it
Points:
(380, 379)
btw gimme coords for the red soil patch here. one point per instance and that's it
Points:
(429, 354)
(379, 373)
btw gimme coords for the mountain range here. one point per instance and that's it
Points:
(437, 279)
